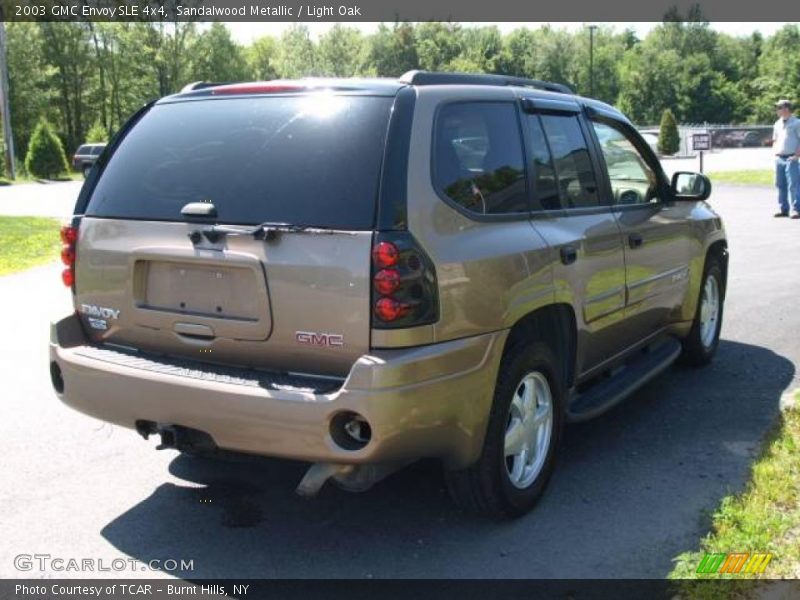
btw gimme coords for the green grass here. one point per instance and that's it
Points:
(27, 241)
(754, 177)
(764, 517)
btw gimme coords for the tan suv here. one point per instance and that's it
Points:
(362, 273)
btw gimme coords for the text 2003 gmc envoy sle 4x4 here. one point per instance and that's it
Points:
(361, 273)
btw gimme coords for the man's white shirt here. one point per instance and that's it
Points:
(786, 136)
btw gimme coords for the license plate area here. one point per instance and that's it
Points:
(210, 291)
(225, 296)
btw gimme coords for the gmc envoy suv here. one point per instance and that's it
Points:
(359, 273)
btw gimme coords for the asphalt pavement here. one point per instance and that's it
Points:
(632, 489)
(56, 199)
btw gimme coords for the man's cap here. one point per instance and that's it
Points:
(783, 103)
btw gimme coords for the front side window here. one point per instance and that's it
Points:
(573, 164)
(478, 160)
(632, 180)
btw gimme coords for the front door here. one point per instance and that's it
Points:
(656, 232)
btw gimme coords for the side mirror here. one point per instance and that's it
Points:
(690, 186)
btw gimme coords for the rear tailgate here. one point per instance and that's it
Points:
(297, 300)
(300, 303)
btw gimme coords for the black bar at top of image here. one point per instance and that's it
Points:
(303, 11)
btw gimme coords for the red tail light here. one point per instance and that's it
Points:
(68, 277)
(385, 254)
(69, 237)
(69, 234)
(389, 309)
(387, 281)
(405, 292)
(68, 255)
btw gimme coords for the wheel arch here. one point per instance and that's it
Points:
(719, 250)
(554, 325)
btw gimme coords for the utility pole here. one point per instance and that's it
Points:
(591, 59)
(4, 105)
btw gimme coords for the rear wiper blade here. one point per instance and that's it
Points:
(265, 231)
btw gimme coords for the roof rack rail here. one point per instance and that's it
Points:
(435, 78)
(199, 85)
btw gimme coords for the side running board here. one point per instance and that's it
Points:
(611, 391)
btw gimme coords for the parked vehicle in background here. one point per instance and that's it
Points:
(85, 157)
(363, 273)
(731, 137)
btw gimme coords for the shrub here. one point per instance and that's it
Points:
(45, 158)
(97, 133)
(669, 140)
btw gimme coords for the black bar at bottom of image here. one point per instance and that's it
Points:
(370, 589)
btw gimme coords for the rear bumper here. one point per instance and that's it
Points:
(429, 401)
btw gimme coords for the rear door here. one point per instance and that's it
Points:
(171, 257)
(582, 232)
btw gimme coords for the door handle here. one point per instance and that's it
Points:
(635, 240)
(568, 254)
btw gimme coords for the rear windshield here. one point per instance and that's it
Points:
(306, 160)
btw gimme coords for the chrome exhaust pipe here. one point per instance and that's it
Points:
(317, 475)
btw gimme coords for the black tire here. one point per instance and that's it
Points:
(485, 487)
(695, 352)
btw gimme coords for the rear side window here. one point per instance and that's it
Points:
(477, 157)
(82, 150)
(544, 175)
(313, 159)
(576, 180)
(96, 150)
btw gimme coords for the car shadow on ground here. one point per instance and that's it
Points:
(637, 482)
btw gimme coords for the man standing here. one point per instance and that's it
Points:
(786, 144)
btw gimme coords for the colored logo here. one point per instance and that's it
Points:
(734, 562)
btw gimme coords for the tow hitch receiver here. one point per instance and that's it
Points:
(178, 437)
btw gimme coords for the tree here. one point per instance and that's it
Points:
(392, 50)
(97, 133)
(779, 68)
(76, 74)
(165, 48)
(481, 47)
(341, 52)
(518, 55)
(45, 158)
(297, 55)
(29, 95)
(66, 49)
(262, 57)
(438, 44)
(216, 57)
(669, 140)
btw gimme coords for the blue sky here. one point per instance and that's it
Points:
(246, 32)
